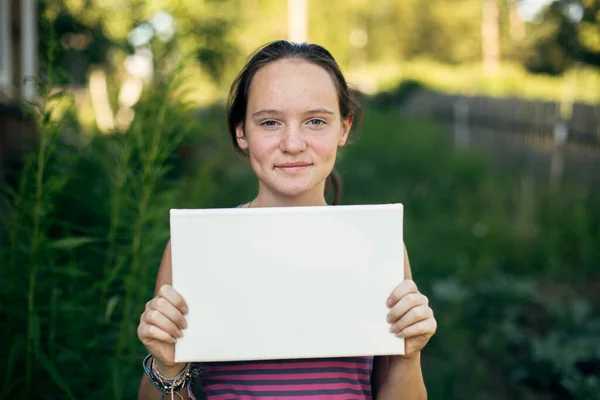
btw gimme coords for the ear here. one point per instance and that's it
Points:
(241, 137)
(346, 127)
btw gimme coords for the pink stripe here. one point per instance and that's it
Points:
(309, 364)
(287, 388)
(274, 377)
(294, 377)
(320, 397)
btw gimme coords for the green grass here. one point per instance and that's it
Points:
(511, 80)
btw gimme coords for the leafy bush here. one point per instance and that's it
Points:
(513, 340)
(86, 227)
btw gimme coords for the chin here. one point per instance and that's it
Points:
(293, 189)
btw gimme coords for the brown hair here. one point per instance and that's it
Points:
(283, 49)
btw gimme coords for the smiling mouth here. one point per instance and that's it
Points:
(293, 167)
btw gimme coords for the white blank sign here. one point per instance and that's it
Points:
(287, 282)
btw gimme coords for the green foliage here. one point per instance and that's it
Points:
(511, 277)
(513, 340)
(511, 80)
(86, 227)
(438, 43)
(510, 266)
(569, 32)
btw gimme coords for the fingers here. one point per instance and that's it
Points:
(405, 287)
(166, 308)
(413, 316)
(163, 319)
(147, 332)
(169, 293)
(410, 315)
(406, 303)
(159, 320)
(425, 328)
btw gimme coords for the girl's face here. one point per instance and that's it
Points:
(292, 130)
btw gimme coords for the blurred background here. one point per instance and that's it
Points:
(481, 117)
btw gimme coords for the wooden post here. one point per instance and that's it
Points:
(490, 37)
(6, 60)
(29, 49)
(561, 128)
(297, 21)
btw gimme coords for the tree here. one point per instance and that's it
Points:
(568, 32)
(579, 29)
(92, 32)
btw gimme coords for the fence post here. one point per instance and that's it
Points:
(561, 129)
(557, 165)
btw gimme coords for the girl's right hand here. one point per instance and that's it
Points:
(161, 324)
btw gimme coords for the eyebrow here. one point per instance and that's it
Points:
(314, 111)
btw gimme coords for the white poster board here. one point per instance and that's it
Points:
(287, 282)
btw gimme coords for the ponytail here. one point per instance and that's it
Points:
(334, 182)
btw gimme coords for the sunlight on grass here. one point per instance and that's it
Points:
(510, 81)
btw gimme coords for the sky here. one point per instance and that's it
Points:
(529, 8)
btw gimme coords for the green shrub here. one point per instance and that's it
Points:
(512, 340)
(87, 226)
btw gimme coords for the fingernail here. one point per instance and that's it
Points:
(185, 310)
(180, 333)
(399, 335)
(392, 328)
(389, 302)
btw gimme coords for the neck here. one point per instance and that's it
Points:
(267, 198)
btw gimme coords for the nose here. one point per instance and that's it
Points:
(292, 140)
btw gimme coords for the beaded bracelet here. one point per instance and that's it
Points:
(166, 385)
(178, 380)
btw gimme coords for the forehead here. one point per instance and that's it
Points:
(292, 85)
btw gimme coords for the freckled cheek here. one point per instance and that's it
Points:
(326, 149)
(263, 153)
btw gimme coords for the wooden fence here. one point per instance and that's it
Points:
(582, 121)
(540, 138)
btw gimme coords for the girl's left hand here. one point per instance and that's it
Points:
(411, 317)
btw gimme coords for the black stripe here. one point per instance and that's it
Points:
(287, 393)
(310, 381)
(284, 371)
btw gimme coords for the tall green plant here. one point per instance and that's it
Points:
(86, 225)
(31, 246)
(152, 137)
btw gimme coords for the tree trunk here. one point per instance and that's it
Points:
(490, 37)
(297, 21)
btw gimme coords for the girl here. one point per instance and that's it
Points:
(289, 111)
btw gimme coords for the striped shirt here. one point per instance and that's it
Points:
(321, 378)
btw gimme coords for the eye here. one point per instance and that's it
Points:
(316, 122)
(269, 123)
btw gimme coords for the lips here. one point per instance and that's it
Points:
(297, 164)
(296, 167)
